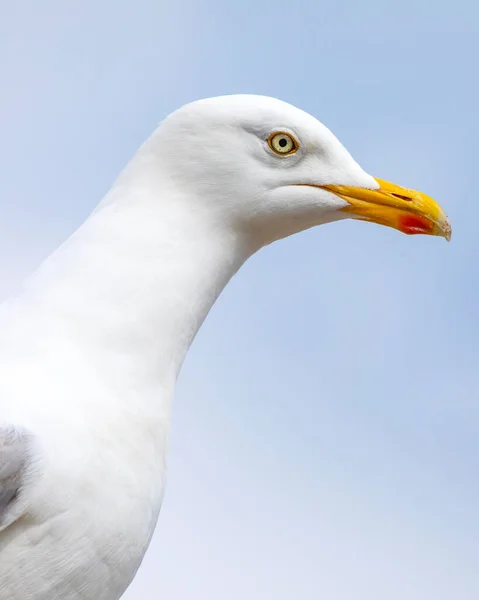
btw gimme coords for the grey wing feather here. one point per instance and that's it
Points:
(15, 470)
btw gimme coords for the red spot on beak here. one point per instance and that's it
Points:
(414, 224)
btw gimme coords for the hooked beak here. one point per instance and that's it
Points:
(407, 210)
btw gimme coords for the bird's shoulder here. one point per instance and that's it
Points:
(19, 469)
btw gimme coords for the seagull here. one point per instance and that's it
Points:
(92, 344)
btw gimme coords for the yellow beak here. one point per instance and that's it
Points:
(408, 211)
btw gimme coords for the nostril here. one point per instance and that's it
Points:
(401, 197)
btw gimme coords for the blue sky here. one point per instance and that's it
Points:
(325, 430)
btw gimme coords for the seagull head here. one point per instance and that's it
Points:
(266, 167)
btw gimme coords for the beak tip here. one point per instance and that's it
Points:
(446, 230)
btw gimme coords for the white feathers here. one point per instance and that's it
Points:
(90, 352)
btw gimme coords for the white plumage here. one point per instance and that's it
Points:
(91, 348)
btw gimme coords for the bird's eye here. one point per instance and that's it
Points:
(282, 143)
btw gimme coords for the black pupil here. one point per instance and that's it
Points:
(283, 142)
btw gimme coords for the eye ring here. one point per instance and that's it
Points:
(282, 143)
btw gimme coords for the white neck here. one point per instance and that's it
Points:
(135, 282)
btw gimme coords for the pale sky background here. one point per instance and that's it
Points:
(325, 440)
